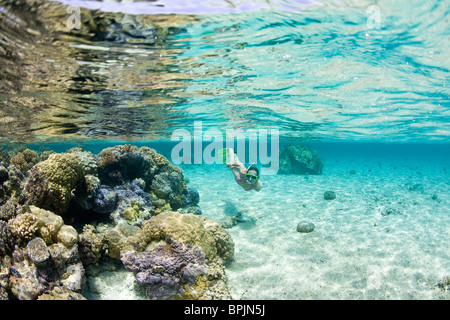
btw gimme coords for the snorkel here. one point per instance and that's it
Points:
(251, 178)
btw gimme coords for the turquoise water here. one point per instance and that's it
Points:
(366, 86)
(317, 71)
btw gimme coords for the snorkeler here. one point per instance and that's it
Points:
(247, 178)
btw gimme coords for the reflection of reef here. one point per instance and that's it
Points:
(175, 255)
(74, 89)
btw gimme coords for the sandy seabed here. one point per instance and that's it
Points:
(384, 236)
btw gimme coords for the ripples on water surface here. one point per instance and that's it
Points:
(319, 70)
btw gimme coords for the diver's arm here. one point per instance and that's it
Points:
(258, 186)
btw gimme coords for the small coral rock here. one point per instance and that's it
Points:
(305, 227)
(24, 160)
(6, 239)
(329, 195)
(52, 182)
(163, 270)
(38, 252)
(68, 236)
(90, 245)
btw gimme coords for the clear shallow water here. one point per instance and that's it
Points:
(373, 100)
(356, 250)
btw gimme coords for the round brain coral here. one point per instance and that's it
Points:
(52, 181)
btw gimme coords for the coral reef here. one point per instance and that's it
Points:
(90, 245)
(52, 182)
(154, 229)
(6, 239)
(198, 231)
(165, 269)
(119, 239)
(38, 252)
(189, 230)
(127, 202)
(12, 183)
(164, 182)
(121, 164)
(25, 226)
(24, 160)
(9, 209)
(300, 160)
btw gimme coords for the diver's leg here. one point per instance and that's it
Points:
(232, 158)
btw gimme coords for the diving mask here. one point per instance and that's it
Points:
(251, 177)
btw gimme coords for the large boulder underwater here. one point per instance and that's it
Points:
(62, 213)
(300, 159)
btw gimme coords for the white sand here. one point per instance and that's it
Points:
(356, 251)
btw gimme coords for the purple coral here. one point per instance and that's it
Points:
(164, 270)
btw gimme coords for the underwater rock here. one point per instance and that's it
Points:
(417, 187)
(62, 257)
(73, 279)
(305, 227)
(164, 270)
(67, 235)
(38, 252)
(329, 195)
(388, 210)
(61, 293)
(191, 197)
(300, 160)
(443, 284)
